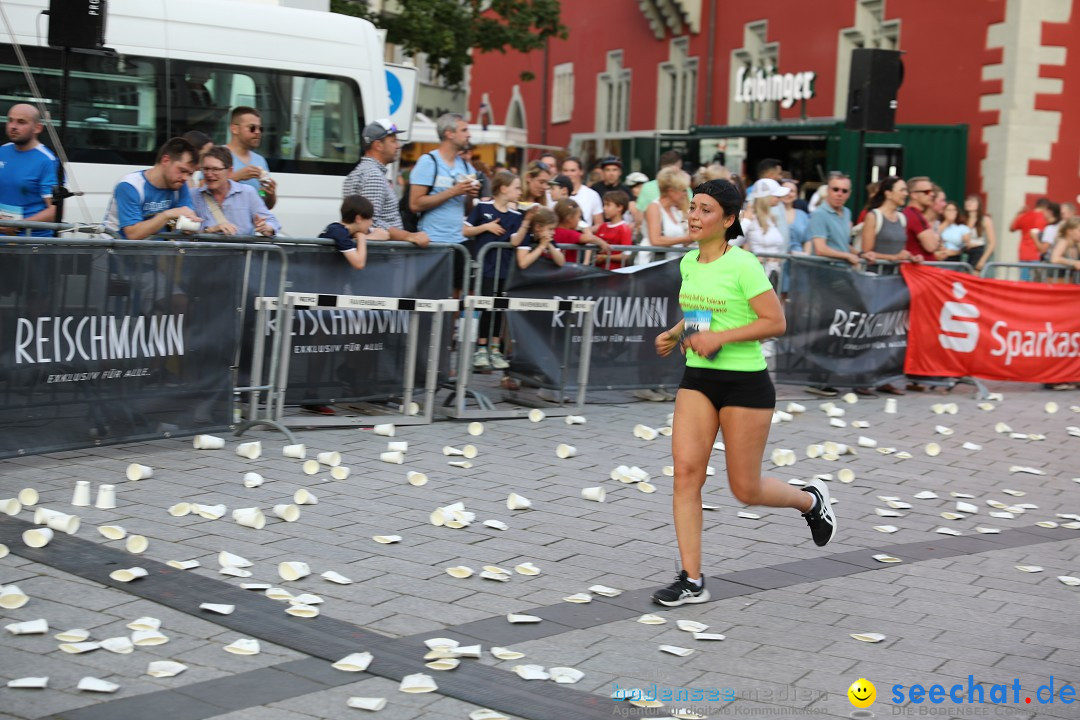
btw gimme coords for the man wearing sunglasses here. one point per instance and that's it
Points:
(922, 240)
(830, 223)
(249, 167)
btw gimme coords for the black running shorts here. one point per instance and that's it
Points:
(731, 388)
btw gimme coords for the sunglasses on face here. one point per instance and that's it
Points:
(842, 191)
(255, 128)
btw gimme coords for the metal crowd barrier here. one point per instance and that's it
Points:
(485, 408)
(358, 302)
(1030, 272)
(102, 239)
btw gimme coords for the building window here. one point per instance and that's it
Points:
(562, 93)
(757, 53)
(613, 96)
(676, 97)
(871, 30)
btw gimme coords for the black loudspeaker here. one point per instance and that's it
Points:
(876, 76)
(77, 24)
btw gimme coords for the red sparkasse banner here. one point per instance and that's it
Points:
(992, 329)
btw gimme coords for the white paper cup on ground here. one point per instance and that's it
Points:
(536, 415)
(249, 450)
(29, 683)
(296, 452)
(331, 458)
(336, 577)
(81, 496)
(469, 451)
(120, 645)
(373, 704)
(392, 457)
(251, 517)
(575, 419)
(932, 449)
(845, 475)
(517, 502)
(417, 479)
(356, 662)
(12, 598)
(311, 467)
(106, 497)
(815, 450)
(340, 472)
(303, 496)
(208, 442)
(165, 668)
(564, 451)
(93, 684)
(137, 544)
(135, 471)
(891, 405)
(243, 646)
(476, 429)
(145, 623)
(29, 627)
(10, 506)
(253, 480)
(78, 648)
(37, 537)
(128, 574)
(867, 442)
(418, 683)
(293, 570)
(645, 432)
(287, 512)
(398, 446)
(385, 430)
(835, 448)
(28, 497)
(596, 494)
(4, 550)
(65, 523)
(209, 512)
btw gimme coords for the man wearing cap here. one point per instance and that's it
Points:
(611, 172)
(369, 179)
(559, 188)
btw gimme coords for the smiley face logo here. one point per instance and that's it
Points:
(862, 693)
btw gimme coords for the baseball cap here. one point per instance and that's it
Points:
(611, 160)
(766, 187)
(563, 181)
(378, 130)
(636, 178)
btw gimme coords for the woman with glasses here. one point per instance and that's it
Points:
(534, 189)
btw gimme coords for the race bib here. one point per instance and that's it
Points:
(696, 321)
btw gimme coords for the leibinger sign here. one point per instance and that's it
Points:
(768, 85)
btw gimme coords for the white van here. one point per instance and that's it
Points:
(316, 77)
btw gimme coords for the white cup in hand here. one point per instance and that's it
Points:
(186, 224)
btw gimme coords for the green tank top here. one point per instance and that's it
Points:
(716, 296)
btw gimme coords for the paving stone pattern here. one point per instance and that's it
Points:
(955, 607)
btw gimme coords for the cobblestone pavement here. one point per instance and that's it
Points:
(956, 610)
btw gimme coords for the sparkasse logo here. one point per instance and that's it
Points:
(958, 318)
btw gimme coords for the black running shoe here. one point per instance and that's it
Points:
(821, 520)
(681, 592)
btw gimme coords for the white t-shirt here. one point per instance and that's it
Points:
(590, 203)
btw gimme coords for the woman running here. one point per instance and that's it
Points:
(728, 307)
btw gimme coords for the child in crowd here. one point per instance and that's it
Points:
(614, 230)
(351, 234)
(559, 189)
(540, 241)
(570, 230)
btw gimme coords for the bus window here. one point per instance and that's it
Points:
(113, 111)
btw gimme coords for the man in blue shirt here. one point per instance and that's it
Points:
(27, 171)
(145, 201)
(249, 167)
(439, 185)
(225, 205)
(830, 223)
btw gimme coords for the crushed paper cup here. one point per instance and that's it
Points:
(209, 512)
(249, 450)
(898, 504)
(228, 559)
(112, 532)
(850, 398)
(579, 598)
(497, 577)
(441, 643)
(93, 684)
(296, 452)
(218, 608)
(1069, 580)
(145, 623)
(1002, 514)
(135, 472)
(645, 432)
(303, 496)
(72, 636)
(691, 626)
(868, 637)
(937, 408)
(165, 668)
(37, 537)
(356, 662)
(496, 524)
(293, 570)
(487, 714)
(882, 512)
(385, 430)
(565, 675)
(120, 645)
(526, 568)
(866, 442)
(446, 663)
(386, 539)
(651, 619)
(128, 574)
(748, 515)
(243, 646)
(596, 494)
(180, 509)
(536, 415)
(517, 502)
(417, 683)
(882, 558)
(207, 442)
(795, 408)
(29, 627)
(668, 471)
(366, 703)
(517, 618)
(646, 487)
(29, 683)
(336, 577)
(506, 653)
(782, 457)
(137, 544)
(302, 611)
(708, 636)
(253, 480)
(860, 424)
(987, 530)
(949, 515)
(1048, 524)
(666, 431)
(148, 638)
(311, 467)
(947, 531)
(676, 650)
(1029, 568)
(1002, 428)
(79, 647)
(575, 419)
(564, 451)
(306, 599)
(966, 507)
(834, 448)
(886, 528)
(531, 672)
(837, 423)
(459, 571)
(926, 495)
(276, 593)
(397, 446)
(331, 459)
(891, 405)
(943, 430)
(780, 416)
(1028, 470)
(183, 564)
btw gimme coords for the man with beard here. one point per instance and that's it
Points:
(27, 171)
